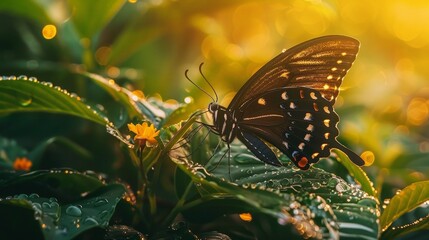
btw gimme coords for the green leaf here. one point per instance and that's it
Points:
(325, 204)
(356, 172)
(66, 221)
(152, 109)
(23, 95)
(18, 222)
(122, 232)
(63, 183)
(406, 200)
(26, 8)
(89, 17)
(37, 153)
(415, 224)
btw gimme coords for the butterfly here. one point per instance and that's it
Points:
(288, 103)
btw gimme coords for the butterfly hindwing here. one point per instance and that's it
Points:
(297, 121)
(319, 64)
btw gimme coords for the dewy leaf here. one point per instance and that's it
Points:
(66, 221)
(24, 94)
(406, 200)
(421, 223)
(152, 109)
(18, 222)
(356, 172)
(316, 203)
(65, 183)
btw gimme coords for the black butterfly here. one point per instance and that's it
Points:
(289, 104)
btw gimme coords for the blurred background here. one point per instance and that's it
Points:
(148, 45)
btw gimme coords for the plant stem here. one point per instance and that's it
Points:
(172, 215)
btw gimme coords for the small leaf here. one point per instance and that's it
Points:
(418, 223)
(406, 200)
(356, 172)
(66, 221)
(152, 109)
(33, 96)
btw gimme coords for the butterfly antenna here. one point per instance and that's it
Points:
(187, 77)
(207, 81)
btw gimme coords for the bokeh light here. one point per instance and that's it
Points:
(49, 31)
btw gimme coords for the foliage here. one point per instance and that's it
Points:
(88, 179)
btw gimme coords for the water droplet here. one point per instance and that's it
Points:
(22, 196)
(102, 215)
(61, 230)
(270, 184)
(34, 195)
(100, 107)
(22, 77)
(73, 211)
(33, 79)
(90, 221)
(342, 187)
(52, 205)
(26, 101)
(100, 202)
(297, 178)
(332, 182)
(315, 185)
(284, 182)
(37, 206)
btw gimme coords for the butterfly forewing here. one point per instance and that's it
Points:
(319, 64)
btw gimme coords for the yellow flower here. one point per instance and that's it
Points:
(22, 164)
(145, 134)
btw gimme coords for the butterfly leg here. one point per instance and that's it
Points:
(220, 159)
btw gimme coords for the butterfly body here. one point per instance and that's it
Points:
(288, 103)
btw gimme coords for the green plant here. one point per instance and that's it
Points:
(281, 201)
(82, 176)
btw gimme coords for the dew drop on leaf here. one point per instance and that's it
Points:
(73, 211)
(341, 187)
(26, 101)
(90, 221)
(332, 182)
(22, 196)
(315, 185)
(22, 77)
(100, 202)
(34, 195)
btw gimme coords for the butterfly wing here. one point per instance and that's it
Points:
(320, 64)
(300, 122)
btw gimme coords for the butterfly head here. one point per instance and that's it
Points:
(213, 107)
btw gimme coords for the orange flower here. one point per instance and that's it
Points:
(145, 134)
(22, 164)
